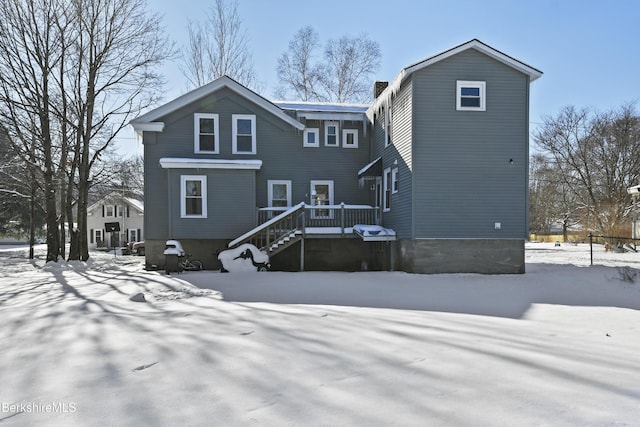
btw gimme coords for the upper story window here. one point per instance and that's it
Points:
(311, 137)
(470, 96)
(108, 210)
(193, 196)
(331, 134)
(386, 199)
(350, 138)
(395, 183)
(244, 134)
(388, 121)
(205, 133)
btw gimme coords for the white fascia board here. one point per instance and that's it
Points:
(184, 163)
(395, 85)
(148, 127)
(208, 89)
(314, 115)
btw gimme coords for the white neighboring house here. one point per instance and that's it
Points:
(114, 208)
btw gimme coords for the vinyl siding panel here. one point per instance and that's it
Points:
(398, 153)
(464, 181)
(278, 145)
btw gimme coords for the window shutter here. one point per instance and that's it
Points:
(139, 235)
(115, 211)
(102, 211)
(127, 211)
(91, 236)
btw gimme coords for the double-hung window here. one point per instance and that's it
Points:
(193, 196)
(279, 193)
(331, 134)
(244, 134)
(206, 138)
(395, 184)
(470, 95)
(387, 190)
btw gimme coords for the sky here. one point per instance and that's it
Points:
(588, 50)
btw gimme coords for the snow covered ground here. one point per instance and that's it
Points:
(557, 346)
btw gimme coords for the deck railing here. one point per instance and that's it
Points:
(328, 216)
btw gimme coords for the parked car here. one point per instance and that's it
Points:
(138, 248)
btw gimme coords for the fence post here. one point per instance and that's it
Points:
(591, 246)
(342, 218)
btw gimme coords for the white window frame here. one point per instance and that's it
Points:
(183, 195)
(388, 119)
(482, 86)
(98, 234)
(395, 184)
(271, 183)
(386, 190)
(234, 127)
(306, 132)
(318, 213)
(196, 133)
(326, 134)
(108, 211)
(345, 133)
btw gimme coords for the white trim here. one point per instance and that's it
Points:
(326, 134)
(480, 85)
(387, 125)
(270, 184)
(313, 202)
(476, 44)
(345, 133)
(386, 181)
(208, 89)
(196, 133)
(394, 181)
(183, 195)
(354, 117)
(234, 129)
(180, 163)
(148, 127)
(307, 131)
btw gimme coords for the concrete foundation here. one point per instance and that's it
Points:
(484, 256)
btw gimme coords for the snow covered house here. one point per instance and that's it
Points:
(127, 212)
(430, 177)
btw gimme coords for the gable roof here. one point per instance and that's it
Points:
(476, 44)
(147, 121)
(117, 197)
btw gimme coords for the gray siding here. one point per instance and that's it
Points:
(398, 153)
(463, 179)
(278, 145)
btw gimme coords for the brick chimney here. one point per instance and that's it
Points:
(378, 87)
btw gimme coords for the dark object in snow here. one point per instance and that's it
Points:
(143, 367)
(260, 266)
(138, 297)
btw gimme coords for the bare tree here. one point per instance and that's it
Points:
(343, 73)
(218, 47)
(72, 74)
(296, 68)
(597, 156)
(29, 52)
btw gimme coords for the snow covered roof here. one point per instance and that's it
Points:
(187, 163)
(147, 122)
(325, 110)
(476, 44)
(116, 196)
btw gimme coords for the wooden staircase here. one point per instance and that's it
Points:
(276, 234)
